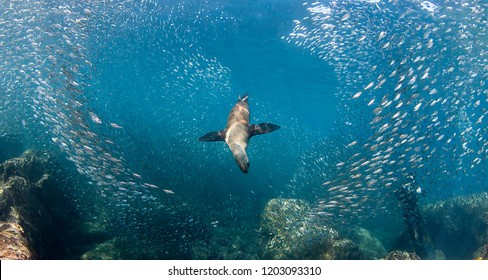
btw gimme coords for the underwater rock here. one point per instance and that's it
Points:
(370, 247)
(288, 231)
(481, 253)
(13, 243)
(87, 240)
(401, 255)
(343, 249)
(462, 220)
(24, 218)
(30, 165)
(484, 252)
(108, 250)
(39, 218)
(438, 255)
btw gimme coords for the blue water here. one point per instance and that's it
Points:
(286, 85)
(124, 89)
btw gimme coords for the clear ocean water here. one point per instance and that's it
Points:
(371, 96)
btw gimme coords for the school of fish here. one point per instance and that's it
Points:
(413, 97)
(413, 100)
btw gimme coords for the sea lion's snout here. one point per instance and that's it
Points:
(244, 167)
(241, 158)
(243, 164)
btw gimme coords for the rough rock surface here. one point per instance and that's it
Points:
(22, 215)
(482, 253)
(13, 243)
(288, 231)
(107, 250)
(401, 255)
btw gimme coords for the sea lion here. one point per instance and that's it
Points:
(238, 132)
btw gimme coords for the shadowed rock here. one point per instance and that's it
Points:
(370, 247)
(107, 250)
(22, 214)
(462, 220)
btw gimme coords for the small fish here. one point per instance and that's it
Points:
(114, 125)
(381, 35)
(369, 86)
(358, 94)
(151, 186)
(95, 118)
(352, 144)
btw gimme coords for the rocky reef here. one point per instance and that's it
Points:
(23, 217)
(288, 231)
(461, 220)
(36, 220)
(14, 244)
(401, 255)
(371, 248)
(454, 229)
(108, 250)
(483, 253)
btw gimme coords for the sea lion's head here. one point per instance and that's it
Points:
(240, 156)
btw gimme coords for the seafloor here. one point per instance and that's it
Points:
(37, 222)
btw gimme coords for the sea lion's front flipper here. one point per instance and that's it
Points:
(263, 128)
(213, 136)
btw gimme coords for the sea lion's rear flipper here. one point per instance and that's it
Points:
(243, 99)
(263, 128)
(213, 136)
